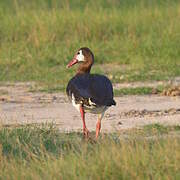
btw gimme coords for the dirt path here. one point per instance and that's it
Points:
(153, 84)
(18, 106)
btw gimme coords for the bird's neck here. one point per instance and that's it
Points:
(84, 69)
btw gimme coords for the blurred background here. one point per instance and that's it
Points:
(133, 40)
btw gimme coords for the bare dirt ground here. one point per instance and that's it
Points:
(153, 84)
(20, 106)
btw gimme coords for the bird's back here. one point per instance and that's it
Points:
(97, 88)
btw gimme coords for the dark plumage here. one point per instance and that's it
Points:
(89, 92)
(96, 87)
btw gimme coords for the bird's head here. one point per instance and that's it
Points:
(85, 58)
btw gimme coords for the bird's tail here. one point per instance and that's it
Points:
(113, 102)
(110, 103)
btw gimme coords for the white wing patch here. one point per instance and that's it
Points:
(77, 106)
(92, 108)
(91, 103)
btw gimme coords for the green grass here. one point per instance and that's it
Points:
(117, 92)
(38, 152)
(154, 129)
(136, 91)
(138, 39)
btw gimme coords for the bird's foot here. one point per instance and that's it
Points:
(86, 132)
(98, 127)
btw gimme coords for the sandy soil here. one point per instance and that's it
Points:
(19, 106)
(153, 84)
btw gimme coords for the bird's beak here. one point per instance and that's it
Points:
(72, 62)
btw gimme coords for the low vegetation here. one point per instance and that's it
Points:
(137, 91)
(132, 40)
(38, 152)
(117, 92)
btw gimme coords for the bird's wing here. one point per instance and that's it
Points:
(97, 88)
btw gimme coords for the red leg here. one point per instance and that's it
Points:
(85, 130)
(98, 125)
(98, 128)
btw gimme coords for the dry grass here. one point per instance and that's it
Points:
(45, 153)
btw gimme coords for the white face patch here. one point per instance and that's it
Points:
(80, 56)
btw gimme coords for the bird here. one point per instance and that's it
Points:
(88, 92)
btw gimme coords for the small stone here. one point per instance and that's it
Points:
(54, 98)
(164, 93)
(154, 91)
(172, 111)
(5, 98)
(168, 93)
(175, 93)
(119, 123)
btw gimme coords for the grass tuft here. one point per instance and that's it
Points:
(36, 152)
